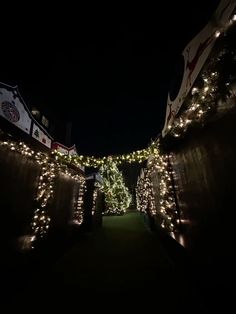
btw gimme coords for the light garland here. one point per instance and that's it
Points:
(166, 210)
(50, 167)
(202, 100)
(145, 194)
(95, 195)
(159, 202)
(91, 161)
(78, 215)
(41, 219)
(141, 192)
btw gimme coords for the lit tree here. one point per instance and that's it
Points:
(117, 196)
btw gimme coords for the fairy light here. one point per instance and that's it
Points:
(41, 220)
(194, 90)
(50, 167)
(199, 104)
(158, 202)
(144, 192)
(78, 215)
(95, 195)
(202, 101)
(90, 161)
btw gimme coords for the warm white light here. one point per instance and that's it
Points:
(194, 90)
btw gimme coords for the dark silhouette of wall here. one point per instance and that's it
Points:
(92, 221)
(205, 172)
(19, 177)
(19, 181)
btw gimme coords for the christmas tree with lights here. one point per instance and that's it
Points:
(117, 196)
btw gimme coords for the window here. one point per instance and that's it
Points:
(45, 122)
(35, 112)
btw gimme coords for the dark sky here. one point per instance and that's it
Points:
(107, 69)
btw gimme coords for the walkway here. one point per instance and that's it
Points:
(124, 261)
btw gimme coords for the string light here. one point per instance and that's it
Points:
(90, 161)
(217, 34)
(78, 215)
(95, 195)
(202, 101)
(158, 200)
(50, 167)
(145, 194)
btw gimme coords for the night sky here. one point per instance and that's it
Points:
(106, 69)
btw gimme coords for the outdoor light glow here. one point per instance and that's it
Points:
(50, 168)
